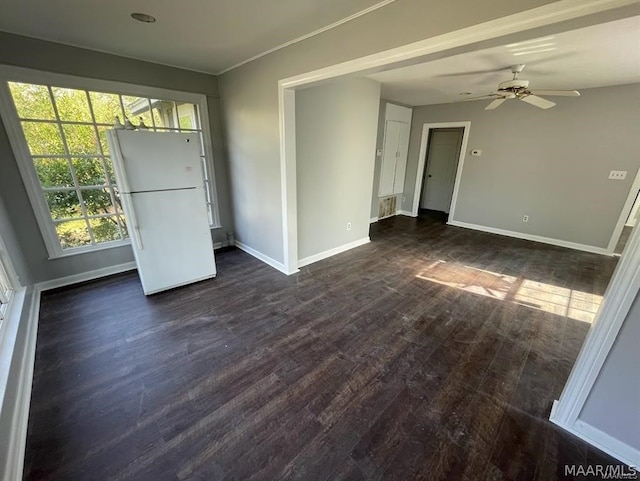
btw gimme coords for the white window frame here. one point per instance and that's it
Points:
(23, 156)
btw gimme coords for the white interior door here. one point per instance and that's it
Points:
(442, 162)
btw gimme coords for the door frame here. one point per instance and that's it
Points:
(624, 214)
(422, 163)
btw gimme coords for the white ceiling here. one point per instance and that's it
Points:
(596, 56)
(205, 35)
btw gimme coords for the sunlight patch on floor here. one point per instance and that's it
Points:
(578, 305)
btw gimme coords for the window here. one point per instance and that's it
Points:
(62, 129)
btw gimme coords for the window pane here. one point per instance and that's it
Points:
(32, 101)
(106, 107)
(81, 139)
(97, 201)
(54, 172)
(63, 204)
(105, 229)
(137, 108)
(72, 104)
(187, 116)
(73, 234)
(89, 171)
(163, 113)
(103, 139)
(43, 138)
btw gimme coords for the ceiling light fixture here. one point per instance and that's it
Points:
(143, 17)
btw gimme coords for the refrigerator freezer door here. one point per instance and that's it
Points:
(175, 238)
(155, 161)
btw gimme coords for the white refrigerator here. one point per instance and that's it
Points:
(160, 180)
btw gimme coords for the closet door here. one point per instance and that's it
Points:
(401, 159)
(390, 153)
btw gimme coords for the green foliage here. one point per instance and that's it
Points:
(56, 174)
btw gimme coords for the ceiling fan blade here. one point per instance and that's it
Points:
(559, 93)
(495, 104)
(538, 101)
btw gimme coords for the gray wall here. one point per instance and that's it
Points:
(37, 54)
(250, 97)
(336, 127)
(12, 244)
(613, 406)
(549, 164)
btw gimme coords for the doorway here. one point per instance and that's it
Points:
(443, 153)
(440, 162)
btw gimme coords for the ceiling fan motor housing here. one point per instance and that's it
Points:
(513, 85)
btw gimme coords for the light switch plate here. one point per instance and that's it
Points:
(618, 174)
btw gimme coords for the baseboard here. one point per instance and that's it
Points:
(601, 440)
(373, 220)
(260, 256)
(332, 252)
(531, 237)
(408, 213)
(86, 276)
(17, 437)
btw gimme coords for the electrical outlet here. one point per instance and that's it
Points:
(618, 174)
(348, 225)
(525, 218)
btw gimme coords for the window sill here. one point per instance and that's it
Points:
(89, 250)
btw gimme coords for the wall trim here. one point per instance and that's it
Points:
(262, 257)
(373, 220)
(86, 276)
(332, 252)
(601, 440)
(370, 9)
(407, 213)
(18, 432)
(422, 163)
(531, 237)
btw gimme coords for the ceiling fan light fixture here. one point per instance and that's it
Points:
(143, 17)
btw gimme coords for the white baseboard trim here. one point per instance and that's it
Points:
(86, 276)
(408, 213)
(20, 416)
(532, 237)
(601, 440)
(373, 220)
(332, 252)
(260, 256)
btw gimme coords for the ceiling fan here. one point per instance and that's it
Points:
(519, 89)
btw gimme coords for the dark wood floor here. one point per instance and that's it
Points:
(422, 355)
